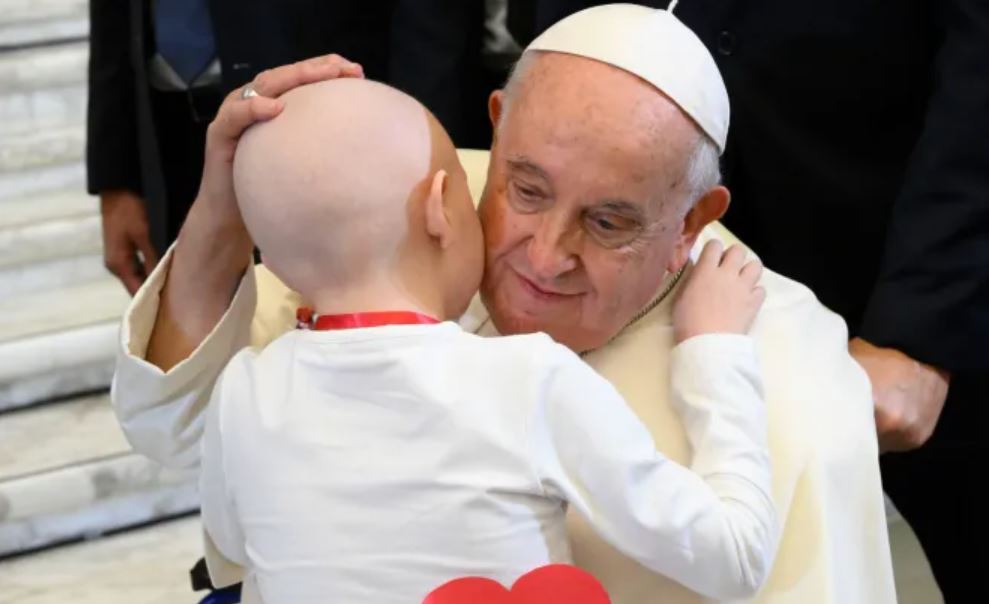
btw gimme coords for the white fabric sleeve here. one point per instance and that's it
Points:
(711, 528)
(162, 413)
(224, 540)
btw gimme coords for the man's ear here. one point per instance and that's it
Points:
(496, 104)
(709, 208)
(438, 224)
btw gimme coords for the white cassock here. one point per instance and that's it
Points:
(834, 547)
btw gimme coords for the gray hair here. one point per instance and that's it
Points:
(510, 89)
(703, 171)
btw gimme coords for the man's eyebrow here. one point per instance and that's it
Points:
(621, 206)
(524, 164)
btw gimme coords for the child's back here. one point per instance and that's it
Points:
(373, 465)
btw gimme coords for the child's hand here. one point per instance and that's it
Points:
(721, 295)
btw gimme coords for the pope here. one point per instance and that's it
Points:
(602, 187)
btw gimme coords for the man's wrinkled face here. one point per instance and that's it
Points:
(583, 204)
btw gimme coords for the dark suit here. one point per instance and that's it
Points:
(151, 143)
(858, 160)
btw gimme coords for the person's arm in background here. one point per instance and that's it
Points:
(521, 20)
(112, 156)
(197, 308)
(928, 314)
(435, 57)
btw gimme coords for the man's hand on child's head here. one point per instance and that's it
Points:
(240, 111)
(721, 295)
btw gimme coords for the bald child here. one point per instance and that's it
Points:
(383, 451)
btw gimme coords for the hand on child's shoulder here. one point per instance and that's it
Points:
(721, 294)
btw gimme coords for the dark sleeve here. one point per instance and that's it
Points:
(932, 297)
(435, 57)
(112, 159)
(521, 20)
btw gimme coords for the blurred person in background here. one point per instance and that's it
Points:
(159, 70)
(450, 55)
(858, 160)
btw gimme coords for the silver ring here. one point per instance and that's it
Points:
(248, 91)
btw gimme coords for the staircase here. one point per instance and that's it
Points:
(66, 472)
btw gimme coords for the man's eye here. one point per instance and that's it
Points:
(612, 230)
(526, 199)
(527, 193)
(610, 223)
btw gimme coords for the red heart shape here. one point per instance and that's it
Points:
(552, 584)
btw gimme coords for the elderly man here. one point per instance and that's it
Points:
(872, 117)
(603, 180)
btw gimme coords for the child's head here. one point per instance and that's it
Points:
(357, 187)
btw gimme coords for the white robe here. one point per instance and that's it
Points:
(826, 481)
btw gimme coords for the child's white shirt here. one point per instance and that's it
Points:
(372, 465)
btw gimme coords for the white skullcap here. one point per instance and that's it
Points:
(653, 45)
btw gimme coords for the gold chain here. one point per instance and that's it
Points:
(645, 311)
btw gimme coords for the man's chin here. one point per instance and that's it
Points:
(509, 324)
(510, 317)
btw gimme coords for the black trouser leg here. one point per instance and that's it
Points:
(181, 134)
(940, 491)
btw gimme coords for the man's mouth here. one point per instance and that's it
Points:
(542, 293)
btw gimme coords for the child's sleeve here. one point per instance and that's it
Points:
(712, 527)
(223, 539)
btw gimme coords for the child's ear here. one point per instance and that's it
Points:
(437, 221)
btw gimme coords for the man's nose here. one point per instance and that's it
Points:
(552, 250)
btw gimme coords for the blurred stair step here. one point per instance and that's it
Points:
(66, 472)
(149, 565)
(43, 88)
(54, 344)
(24, 22)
